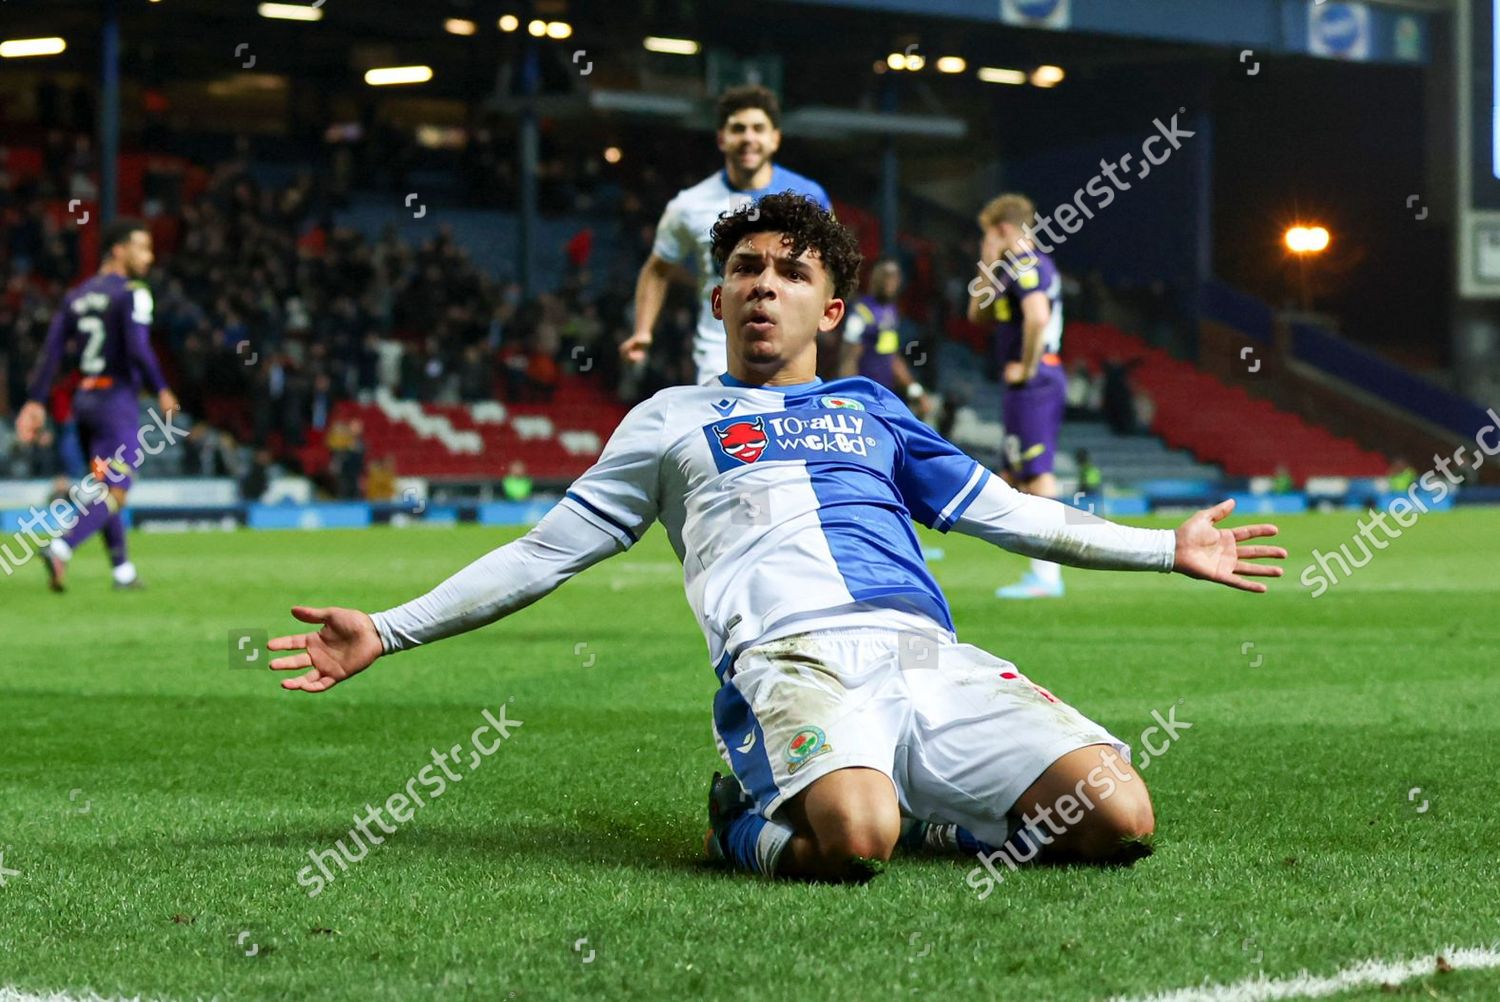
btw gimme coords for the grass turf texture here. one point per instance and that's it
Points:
(1287, 836)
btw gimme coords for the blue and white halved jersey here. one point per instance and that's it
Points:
(683, 238)
(790, 509)
(783, 503)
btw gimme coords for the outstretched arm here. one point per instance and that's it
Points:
(946, 489)
(1049, 530)
(604, 513)
(501, 582)
(1205, 551)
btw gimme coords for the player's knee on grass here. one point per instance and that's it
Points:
(851, 819)
(1118, 830)
(1090, 806)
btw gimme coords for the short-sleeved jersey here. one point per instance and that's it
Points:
(1032, 273)
(784, 503)
(102, 330)
(682, 235)
(876, 326)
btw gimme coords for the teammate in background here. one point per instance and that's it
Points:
(872, 339)
(846, 702)
(108, 321)
(1024, 300)
(748, 137)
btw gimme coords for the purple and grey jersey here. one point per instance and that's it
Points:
(875, 326)
(103, 330)
(1025, 275)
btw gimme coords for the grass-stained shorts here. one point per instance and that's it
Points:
(961, 733)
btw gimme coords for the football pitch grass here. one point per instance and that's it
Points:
(1334, 799)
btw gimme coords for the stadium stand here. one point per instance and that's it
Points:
(1219, 423)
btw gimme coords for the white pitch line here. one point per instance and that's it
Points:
(1364, 974)
(9, 994)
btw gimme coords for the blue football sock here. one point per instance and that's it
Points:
(755, 844)
(967, 843)
(946, 839)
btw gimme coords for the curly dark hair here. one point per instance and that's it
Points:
(803, 225)
(748, 96)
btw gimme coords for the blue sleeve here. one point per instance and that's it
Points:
(936, 479)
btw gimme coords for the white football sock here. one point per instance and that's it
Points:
(60, 550)
(1046, 571)
(125, 573)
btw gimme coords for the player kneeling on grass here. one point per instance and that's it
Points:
(846, 702)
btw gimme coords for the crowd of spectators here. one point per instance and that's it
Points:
(261, 298)
(264, 300)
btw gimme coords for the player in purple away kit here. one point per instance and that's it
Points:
(104, 330)
(1020, 290)
(872, 339)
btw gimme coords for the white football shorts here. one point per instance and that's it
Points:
(961, 733)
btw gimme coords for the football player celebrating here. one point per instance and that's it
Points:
(748, 137)
(846, 702)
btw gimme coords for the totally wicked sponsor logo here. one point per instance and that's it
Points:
(838, 432)
(742, 440)
(789, 436)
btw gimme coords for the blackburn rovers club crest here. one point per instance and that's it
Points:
(806, 744)
(743, 440)
(846, 403)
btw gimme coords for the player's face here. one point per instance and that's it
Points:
(748, 139)
(136, 254)
(887, 284)
(774, 305)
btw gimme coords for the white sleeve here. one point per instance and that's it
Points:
(1049, 530)
(621, 492)
(604, 512)
(673, 243)
(499, 583)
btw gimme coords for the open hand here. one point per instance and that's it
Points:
(346, 645)
(1213, 554)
